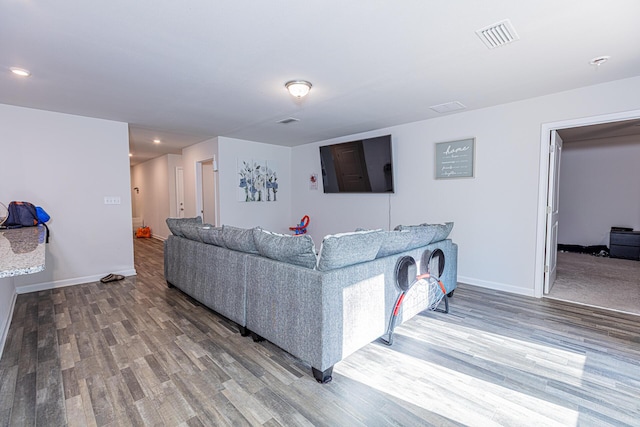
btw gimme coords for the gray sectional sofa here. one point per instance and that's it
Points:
(319, 308)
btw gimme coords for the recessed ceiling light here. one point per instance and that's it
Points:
(157, 141)
(130, 155)
(599, 60)
(20, 71)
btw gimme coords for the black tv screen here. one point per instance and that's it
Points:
(363, 166)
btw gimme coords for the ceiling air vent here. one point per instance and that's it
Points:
(498, 34)
(288, 120)
(448, 107)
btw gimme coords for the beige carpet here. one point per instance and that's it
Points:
(597, 281)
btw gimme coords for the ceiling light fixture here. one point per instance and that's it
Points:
(130, 155)
(156, 141)
(20, 71)
(599, 60)
(298, 88)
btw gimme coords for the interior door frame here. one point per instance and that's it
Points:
(179, 192)
(199, 201)
(543, 182)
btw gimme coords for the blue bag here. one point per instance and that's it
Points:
(43, 216)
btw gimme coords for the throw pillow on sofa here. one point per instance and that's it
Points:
(299, 250)
(175, 224)
(395, 242)
(190, 231)
(424, 234)
(340, 250)
(420, 235)
(211, 235)
(239, 239)
(442, 230)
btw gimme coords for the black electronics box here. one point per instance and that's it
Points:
(621, 229)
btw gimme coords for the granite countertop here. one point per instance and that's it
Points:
(22, 251)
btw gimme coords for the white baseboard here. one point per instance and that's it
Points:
(497, 286)
(68, 282)
(7, 325)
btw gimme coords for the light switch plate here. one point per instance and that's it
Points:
(111, 200)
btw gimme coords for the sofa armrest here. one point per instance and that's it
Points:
(320, 317)
(214, 276)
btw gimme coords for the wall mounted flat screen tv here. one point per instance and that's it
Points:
(363, 166)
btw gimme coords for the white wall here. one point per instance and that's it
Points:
(68, 164)
(599, 188)
(495, 213)
(274, 216)
(156, 199)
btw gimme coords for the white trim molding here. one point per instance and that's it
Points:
(496, 286)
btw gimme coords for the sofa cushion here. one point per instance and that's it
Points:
(175, 224)
(298, 250)
(420, 235)
(190, 231)
(340, 250)
(424, 234)
(239, 239)
(442, 230)
(211, 235)
(394, 242)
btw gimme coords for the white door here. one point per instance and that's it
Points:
(551, 246)
(208, 193)
(180, 192)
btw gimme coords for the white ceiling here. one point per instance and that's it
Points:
(186, 71)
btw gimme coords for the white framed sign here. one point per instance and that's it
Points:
(455, 159)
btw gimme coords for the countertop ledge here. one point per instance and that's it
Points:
(22, 251)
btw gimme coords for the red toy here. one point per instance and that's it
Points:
(302, 228)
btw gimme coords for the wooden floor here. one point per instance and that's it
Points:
(137, 353)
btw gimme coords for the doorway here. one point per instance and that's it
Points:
(179, 192)
(553, 198)
(608, 126)
(206, 191)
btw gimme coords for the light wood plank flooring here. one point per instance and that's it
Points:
(137, 353)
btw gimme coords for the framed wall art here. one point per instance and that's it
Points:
(258, 181)
(455, 159)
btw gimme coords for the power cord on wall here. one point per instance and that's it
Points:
(389, 224)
